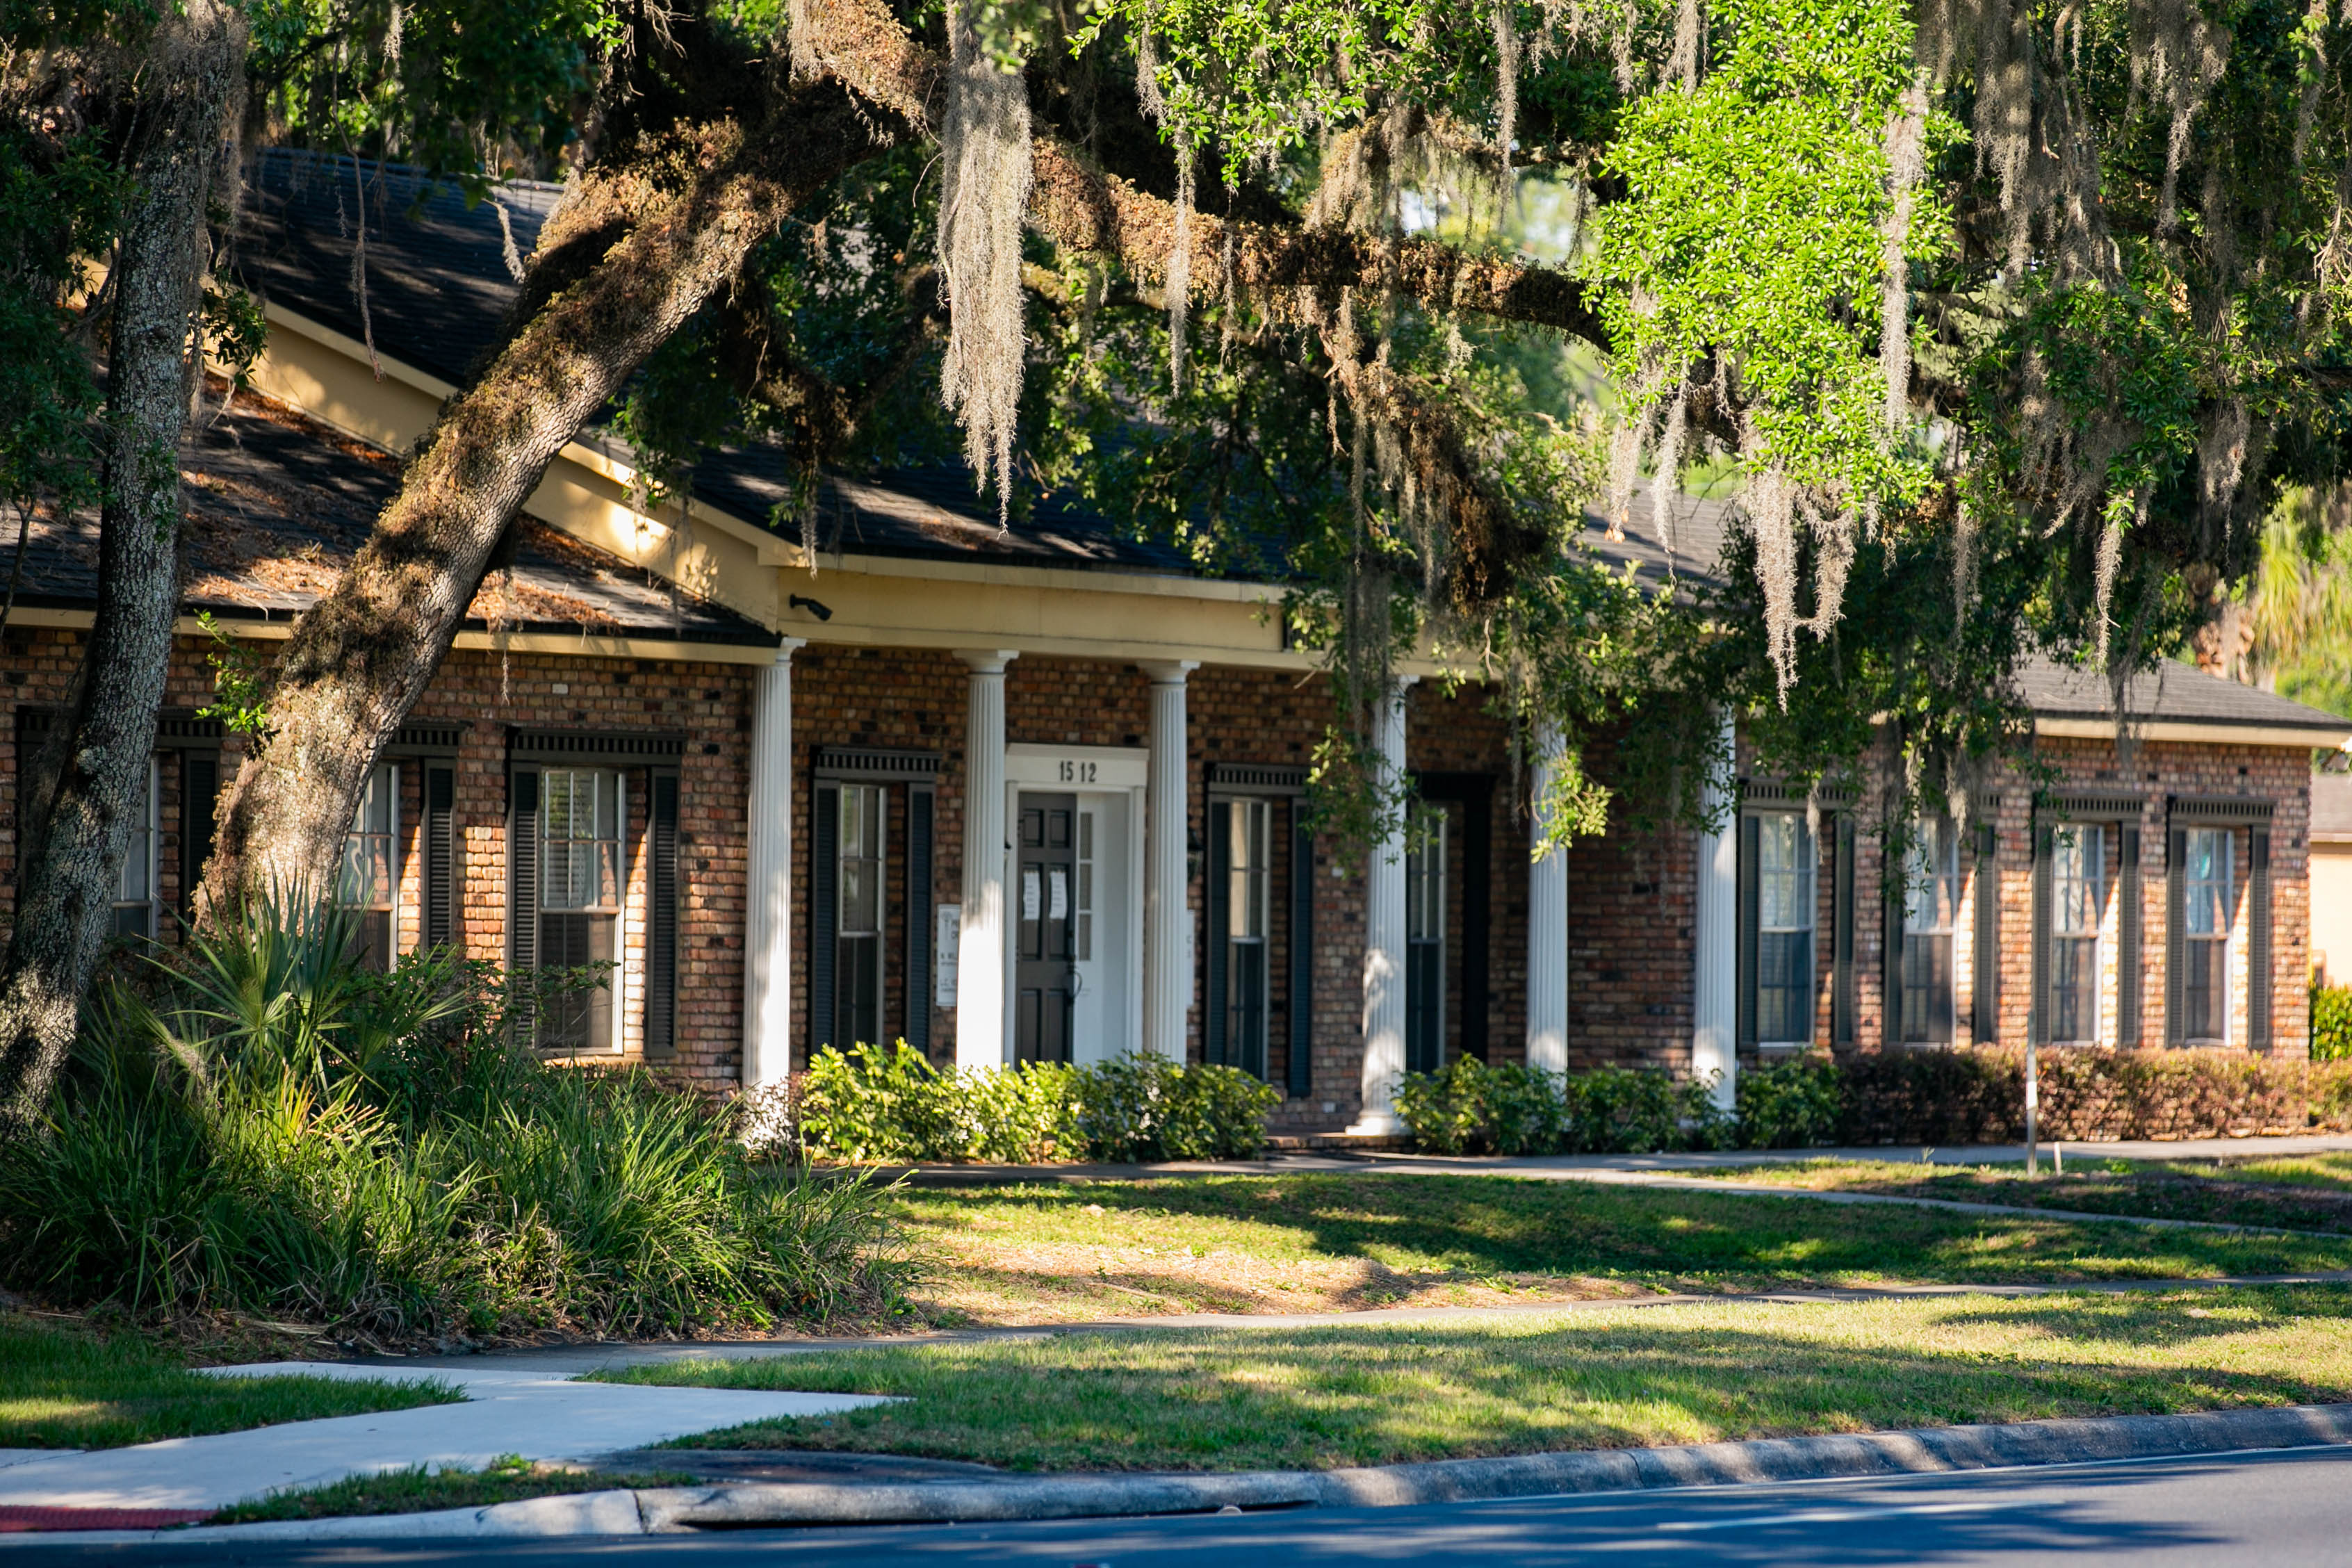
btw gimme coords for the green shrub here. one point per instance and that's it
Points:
(2097, 1093)
(1640, 1111)
(2331, 1094)
(2331, 1023)
(1466, 1107)
(1796, 1103)
(266, 1127)
(868, 1105)
(1447, 1110)
(1934, 1097)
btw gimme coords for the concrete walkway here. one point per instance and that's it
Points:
(1572, 1166)
(527, 1408)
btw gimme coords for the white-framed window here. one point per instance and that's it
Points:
(2077, 906)
(857, 915)
(1785, 864)
(580, 816)
(1086, 884)
(368, 880)
(1931, 904)
(2209, 902)
(1249, 877)
(135, 893)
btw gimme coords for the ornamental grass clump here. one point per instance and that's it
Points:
(257, 1124)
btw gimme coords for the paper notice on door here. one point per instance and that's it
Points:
(1061, 897)
(947, 947)
(1029, 900)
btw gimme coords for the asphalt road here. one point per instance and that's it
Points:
(2279, 1509)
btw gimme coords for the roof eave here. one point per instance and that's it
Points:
(2102, 727)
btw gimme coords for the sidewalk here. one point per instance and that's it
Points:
(513, 1407)
(1571, 1166)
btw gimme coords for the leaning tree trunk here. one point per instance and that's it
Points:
(188, 95)
(643, 246)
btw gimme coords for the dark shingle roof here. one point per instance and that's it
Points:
(275, 505)
(2171, 693)
(2331, 807)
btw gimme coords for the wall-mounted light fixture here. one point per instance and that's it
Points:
(802, 602)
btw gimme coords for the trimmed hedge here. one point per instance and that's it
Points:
(1911, 1096)
(868, 1105)
(2331, 1023)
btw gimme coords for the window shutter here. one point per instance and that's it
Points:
(1890, 947)
(1746, 943)
(2259, 979)
(1221, 852)
(2129, 919)
(199, 797)
(661, 933)
(440, 856)
(1842, 986)
(522, 895)
(1986, 1028)
(824, 917)
(919, 806)
(2176, 853)
(1302, 954)
(2037, 1027)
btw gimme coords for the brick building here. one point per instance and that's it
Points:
(748, 778)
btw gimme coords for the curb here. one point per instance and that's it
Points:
(1920, 1451)
(1928, 1451)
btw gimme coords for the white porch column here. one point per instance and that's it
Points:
(981, 943)
(768, 878)
(1384, 937)
(1167, 820)
(1714, 931)
(1547, 922)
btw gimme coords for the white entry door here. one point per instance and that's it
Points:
(1108, 900)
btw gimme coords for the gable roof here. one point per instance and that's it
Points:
(275, 505)
(2170, 702)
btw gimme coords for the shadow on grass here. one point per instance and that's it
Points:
(1492, 1224)
(1277, 1398)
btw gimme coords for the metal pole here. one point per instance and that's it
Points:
(2033, 1107)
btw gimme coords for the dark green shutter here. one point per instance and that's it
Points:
(440, 854)
(199, 797)
(2259, 979)
(1220, 920)
(2037, 1027)
(1986, 1027)
(1746, 943)
(522, 895)
(1842, 986)
(1302, 954)
(920, 804)
(2176, 950)
(661, 933)
(825, 918)
(2129, 937)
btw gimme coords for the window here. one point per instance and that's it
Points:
(1249, 876)
(858, 918)
(2077, 901)
(369, 878)
(1425, 908)
(134, 892)
(1931, 903)
(2207, 905)
(1784, 930)
(580, 816)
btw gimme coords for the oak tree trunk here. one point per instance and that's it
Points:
(650, 238)
(187, 98)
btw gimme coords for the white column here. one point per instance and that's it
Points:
(1167, 820)
(981, 945)
(1714, 930)
(1384, 937)
(1546, 920)
(768, 878)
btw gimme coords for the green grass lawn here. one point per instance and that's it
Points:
(1602, 1378)
(2300, 1192)
(63, 1387)
(1047, 1251)
(420, 1490)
